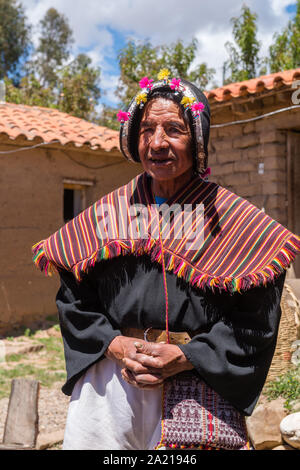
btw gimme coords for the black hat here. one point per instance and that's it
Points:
(199, 122)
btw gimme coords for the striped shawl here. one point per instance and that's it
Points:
(231, 246)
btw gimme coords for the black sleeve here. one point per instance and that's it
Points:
(85, 329)
(234, 355)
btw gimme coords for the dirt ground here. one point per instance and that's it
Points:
(37, 355)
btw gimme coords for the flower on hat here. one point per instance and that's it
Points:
(146, 83)
(163, 74)
(122, 116)
(187, 101)
(141, 98)
(198, 107)
(206, 173)
(175, 83)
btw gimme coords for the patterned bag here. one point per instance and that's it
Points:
(195, 416)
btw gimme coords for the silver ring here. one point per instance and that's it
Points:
(145, 334)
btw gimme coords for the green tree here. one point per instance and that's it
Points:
(30, 92)
(179, 57)
(244, 61)
(54, 48)
(108, 118)
(284, 53)
(138, 59)
(51, 82)
(76, 92)
(14, 38)
(79, 88)
(202, 75)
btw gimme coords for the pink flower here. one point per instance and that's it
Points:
(206, 172)
(175, 83)
(198, 107)
(146, 83)
(122, 116)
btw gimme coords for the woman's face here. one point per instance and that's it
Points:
(165, 143)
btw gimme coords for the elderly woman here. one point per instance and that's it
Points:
(146, 313)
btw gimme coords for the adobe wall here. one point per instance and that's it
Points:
(31, 195)
(236, 151)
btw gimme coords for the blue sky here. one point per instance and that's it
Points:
(291, 8)
(102, 27)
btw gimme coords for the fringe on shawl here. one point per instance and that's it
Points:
(177, 266)
(40, 259)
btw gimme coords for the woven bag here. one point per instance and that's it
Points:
(195, 416)
(289, 331)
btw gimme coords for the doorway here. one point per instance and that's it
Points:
(293, 188)
(74, 197)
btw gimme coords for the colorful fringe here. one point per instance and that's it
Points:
(240, 247)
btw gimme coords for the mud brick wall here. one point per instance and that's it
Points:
(31, 195)
(235, 153)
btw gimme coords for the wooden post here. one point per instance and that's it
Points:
(21, 426)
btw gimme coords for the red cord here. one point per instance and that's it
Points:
(165, 283)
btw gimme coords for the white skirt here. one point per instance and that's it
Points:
(107, 413)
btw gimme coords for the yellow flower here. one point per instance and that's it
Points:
(187, 101)
(163, 74)
(141, 98)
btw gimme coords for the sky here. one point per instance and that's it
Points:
(102, 27)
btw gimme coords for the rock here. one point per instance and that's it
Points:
(46, 440)
(22, 347)
(53, 331)
(290, 429)
(295, 350)
(294, 406)
(284, 447)
(264, 425)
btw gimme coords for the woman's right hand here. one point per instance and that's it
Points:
(122, 349)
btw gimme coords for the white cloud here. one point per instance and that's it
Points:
(109, 83)
(160, 21)
(94, 21)
(279, 6)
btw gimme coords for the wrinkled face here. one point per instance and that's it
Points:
(165, 141)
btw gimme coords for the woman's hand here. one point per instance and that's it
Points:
(146, 365)
(122, 349)
(165, 359)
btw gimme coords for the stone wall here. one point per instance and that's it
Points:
(31, 195)
(236, 151)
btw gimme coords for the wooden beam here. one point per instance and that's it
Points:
(21, 426)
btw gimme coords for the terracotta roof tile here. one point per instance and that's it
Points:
(51, 125)
(255, 85)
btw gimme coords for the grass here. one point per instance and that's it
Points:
(47, 365)
(286, 386)
(14, 358)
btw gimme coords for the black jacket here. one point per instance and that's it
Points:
(232, 352)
